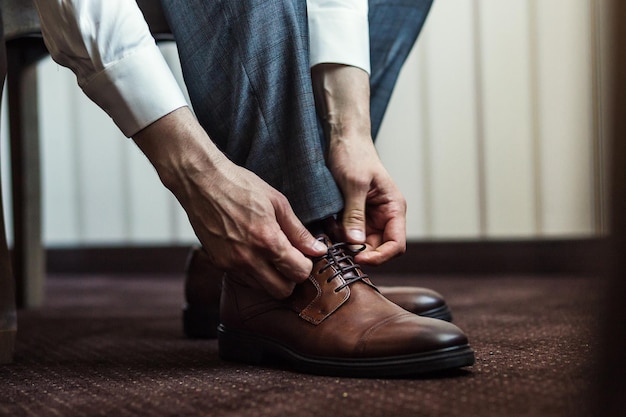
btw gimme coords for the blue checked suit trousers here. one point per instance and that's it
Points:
(246, 67)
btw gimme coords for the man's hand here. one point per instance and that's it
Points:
(374, 209)
(247, 227)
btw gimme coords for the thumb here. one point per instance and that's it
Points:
(354, 216)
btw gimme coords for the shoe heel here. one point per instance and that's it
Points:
(236, 347)
(200, 322)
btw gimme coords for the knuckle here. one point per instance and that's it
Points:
(281, 203)
(354, 215)
(358, 183)
(277, 257)
(272, 243)
(302, 234)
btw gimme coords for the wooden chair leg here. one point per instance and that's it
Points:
(610, 390)
(28, 253)
(8, 317)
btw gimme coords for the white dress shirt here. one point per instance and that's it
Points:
(108, 45)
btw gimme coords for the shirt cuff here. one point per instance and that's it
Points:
(340, 37)
(137, 90)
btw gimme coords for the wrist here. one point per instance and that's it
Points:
(342, 100)
(179, 149)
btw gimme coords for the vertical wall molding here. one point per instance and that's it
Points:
(598, 145)
(483, 213)
(77, 145)
(535, 84)
(427, 169)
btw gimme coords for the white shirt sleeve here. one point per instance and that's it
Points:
(339, 32)
(117, 63)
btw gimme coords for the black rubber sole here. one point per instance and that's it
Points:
(201, 322)
(441, 313)
(252, 349)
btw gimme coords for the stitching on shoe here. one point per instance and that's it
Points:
(317, 320)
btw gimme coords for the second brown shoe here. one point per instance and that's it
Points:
(335, 323)
(203, 287)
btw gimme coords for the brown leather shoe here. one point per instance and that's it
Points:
(203, 284)
(335, 323)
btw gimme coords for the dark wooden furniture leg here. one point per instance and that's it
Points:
(610, 392)
(8, 319)
(28, 253)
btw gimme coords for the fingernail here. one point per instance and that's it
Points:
(319, 246)
(356, 235)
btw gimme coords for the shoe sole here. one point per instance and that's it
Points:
(201, 322)
(441, 313)
(238, 346)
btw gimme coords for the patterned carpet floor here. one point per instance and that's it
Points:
(113, 346)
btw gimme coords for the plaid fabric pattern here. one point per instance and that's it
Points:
(246, 67)
(394, 27)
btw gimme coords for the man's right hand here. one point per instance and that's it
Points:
(247, 227)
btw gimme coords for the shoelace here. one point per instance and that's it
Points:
(341, 256)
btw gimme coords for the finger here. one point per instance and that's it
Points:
(292, 264)
(295, 232)
(272, 281)
(383, 248)
(381, 254)
(284, 256)
(395, 230)
(354, 214)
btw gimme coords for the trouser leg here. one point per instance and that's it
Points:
(246, 66)
(394, 27)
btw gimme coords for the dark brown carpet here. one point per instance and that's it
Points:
(112, 346)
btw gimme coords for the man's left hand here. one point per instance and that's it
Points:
(374, 209)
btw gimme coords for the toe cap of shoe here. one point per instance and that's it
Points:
(406, 334)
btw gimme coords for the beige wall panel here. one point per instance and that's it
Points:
(85, 184)
(149, 202)
(507, 124)
(565, 116)
(400, 144)
(103, 175)
(60, 177)
(451, 108)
